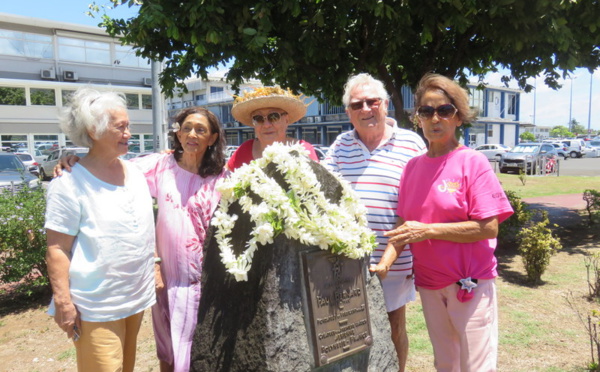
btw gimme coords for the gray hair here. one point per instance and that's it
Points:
(361, 80)
(88, 111)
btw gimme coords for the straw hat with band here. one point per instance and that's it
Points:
(266, 97)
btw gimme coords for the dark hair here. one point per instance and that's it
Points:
(213, 161)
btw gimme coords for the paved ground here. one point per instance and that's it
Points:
(562, 209)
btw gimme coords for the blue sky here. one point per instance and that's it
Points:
(552, 107)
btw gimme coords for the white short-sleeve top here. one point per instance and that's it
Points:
(112, 266)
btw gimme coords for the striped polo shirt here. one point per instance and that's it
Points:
(375, 176)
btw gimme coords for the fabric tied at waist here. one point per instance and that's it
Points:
(467, 285)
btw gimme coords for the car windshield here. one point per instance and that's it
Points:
(25, 157)
(595, 143)
(10, 163)
(524, 148)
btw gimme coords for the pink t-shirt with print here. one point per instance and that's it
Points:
(459, 186)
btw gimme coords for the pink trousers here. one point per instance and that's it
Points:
(464, 335)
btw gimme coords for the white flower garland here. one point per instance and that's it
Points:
(303, 213)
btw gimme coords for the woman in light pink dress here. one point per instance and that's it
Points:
(183, 184)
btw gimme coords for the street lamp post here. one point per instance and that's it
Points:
(590, 104)
(570, 125)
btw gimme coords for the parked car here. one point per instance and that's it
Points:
(493, 151)
(32, 165)
(47, 166)
(14, 175)
(46, 148)
(592, 149)
(527, 157)
(561, 149)
(320, 153)
(229, 150)
(576, 147)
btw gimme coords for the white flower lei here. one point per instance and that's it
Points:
(303, 213)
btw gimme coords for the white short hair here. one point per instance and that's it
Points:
(360, 80)
(88, 111)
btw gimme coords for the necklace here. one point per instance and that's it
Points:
(301, 213)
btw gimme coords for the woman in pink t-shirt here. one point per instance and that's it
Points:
(451, 206)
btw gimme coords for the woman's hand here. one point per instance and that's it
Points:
(67, 317)
(159, 283)
(408, 232)
(66, 162)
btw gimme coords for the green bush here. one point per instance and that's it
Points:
(592, 199)
(507, 231)
(23, 238)
(537, 245)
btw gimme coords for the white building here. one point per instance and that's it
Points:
(42, 62)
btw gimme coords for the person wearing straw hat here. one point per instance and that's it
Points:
(269, 110)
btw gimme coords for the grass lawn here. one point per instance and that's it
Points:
(548, 185)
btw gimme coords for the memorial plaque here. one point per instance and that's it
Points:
(336, 311)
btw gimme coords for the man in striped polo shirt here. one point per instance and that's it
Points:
(372, 158)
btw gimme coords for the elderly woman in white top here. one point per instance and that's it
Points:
(100, 236)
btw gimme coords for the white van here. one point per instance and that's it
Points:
(576, 147)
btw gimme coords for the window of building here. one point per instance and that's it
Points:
(17, 142)
(225, 114)
(147, 101)
(476, 100)
(512, 104)
(87, 51)
(42, 97)
(66, 94)
(125, 56)
(12, 96)
(24, 44)
(133, 101)
(216, 89)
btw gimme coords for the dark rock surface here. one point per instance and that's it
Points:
(259, 325)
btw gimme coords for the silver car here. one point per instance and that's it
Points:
(47, 166)
(14, 175)
(493, 151)
(527, 157)
(32, 165)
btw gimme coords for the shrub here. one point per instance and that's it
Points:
(23, 238)
(592, 199)
(592, 266)
(507, 232)
(537, 245)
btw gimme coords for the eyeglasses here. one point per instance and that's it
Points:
(360, 104)
(447, 111)
(273, 118)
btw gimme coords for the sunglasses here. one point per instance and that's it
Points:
(273, 118)
(360, 104)
(446, 111)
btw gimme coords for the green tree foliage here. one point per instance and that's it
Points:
(527, 137)
(12, 96)
(560, 131)
(577, 128)
(23, 238)
(313, 45)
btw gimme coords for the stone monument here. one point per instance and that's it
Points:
(301, 308)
